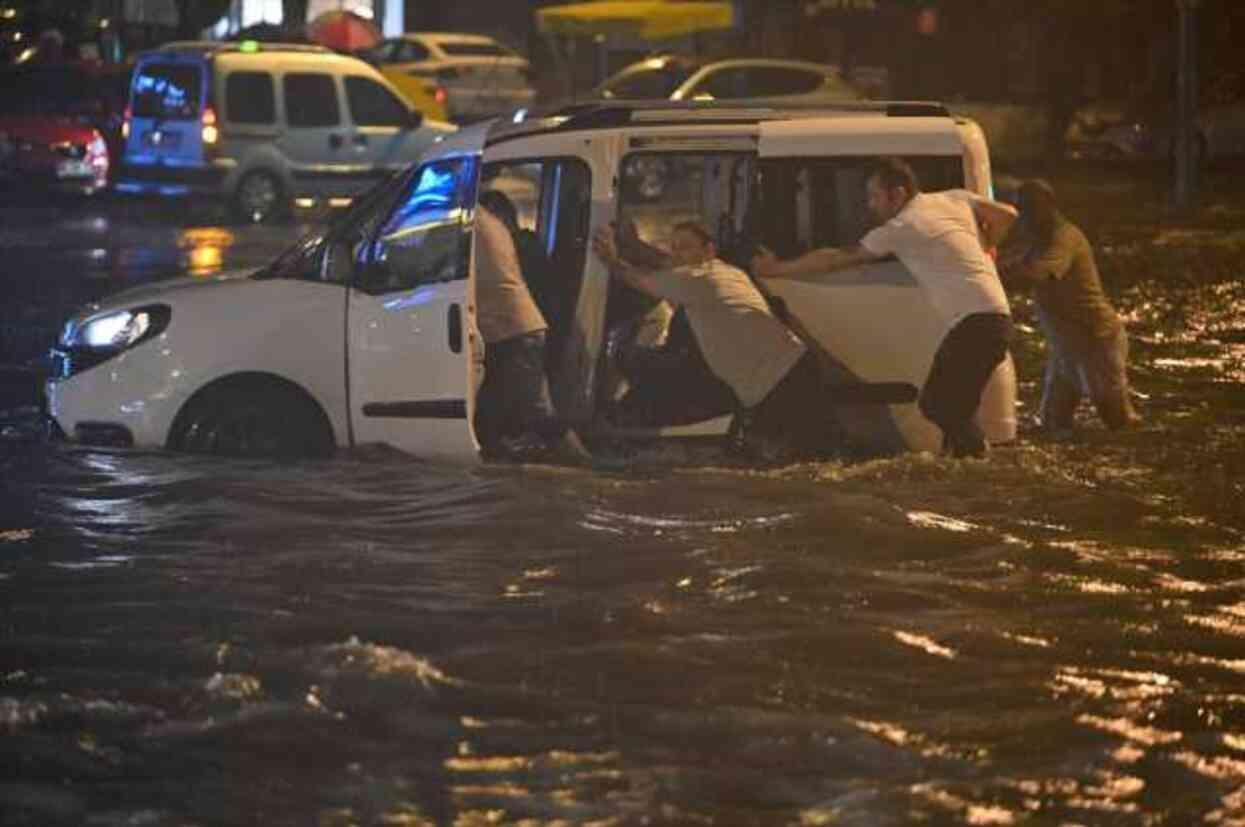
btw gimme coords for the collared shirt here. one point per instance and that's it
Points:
(937, 238)
(744, 344)
(505, 307)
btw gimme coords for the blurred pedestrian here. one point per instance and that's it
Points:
(50, 48)
(944, 240)
(1087, 347)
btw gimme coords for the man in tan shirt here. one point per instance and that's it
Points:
(1086, 343)
(515, 418)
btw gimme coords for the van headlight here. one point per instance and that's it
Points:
(119, 330)
(84, 344)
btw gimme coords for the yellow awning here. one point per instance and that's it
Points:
(646, 19)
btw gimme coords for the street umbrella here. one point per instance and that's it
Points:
(647, 19)
(343, 31)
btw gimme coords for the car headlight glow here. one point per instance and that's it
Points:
(115, 329)
(97, 339)
(119, 330)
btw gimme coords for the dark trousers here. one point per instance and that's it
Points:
(670, 385)
(799, 414)
(962, 366)
(514, 398)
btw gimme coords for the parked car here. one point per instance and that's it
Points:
(54, 126)
(366, 332)
(264, 124)
(758, 79)
(472, 76)
(1141, 133)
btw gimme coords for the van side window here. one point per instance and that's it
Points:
(373, 105)
(805, 203)
(250, 98)
(781, 80)
(427, 237)
(310, 99)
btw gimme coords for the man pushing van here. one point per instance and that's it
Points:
(773, 376)
(943, 239)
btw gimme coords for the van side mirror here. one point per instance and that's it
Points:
(415, 120)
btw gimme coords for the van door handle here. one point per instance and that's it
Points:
(360, 140)
(335, 141)
(456, 329)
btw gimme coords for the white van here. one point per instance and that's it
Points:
(264, 124)
(366, 333)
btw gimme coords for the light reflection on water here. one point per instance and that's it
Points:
(385, 641)
(1056, 635)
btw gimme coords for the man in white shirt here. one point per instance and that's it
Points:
(944, 240)
(772, 375)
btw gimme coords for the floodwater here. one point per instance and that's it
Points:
(1054, 635)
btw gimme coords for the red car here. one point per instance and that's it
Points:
(54, 120)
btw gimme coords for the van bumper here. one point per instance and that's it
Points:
(166, 179)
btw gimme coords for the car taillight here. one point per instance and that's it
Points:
(441, 95)
(97, 157)
(125, 123)
(208, 120)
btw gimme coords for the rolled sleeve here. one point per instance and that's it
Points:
(880, 241)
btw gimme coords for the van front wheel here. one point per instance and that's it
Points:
(259, 198)
(252, 417)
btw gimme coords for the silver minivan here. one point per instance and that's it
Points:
(264, 125)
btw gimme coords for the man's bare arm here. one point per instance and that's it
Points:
(995, 219)
(605, 245)
(766, 265)
(637, 251)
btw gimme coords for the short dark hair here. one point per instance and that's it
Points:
(894, 173)
(697, 229)
(1039, 209)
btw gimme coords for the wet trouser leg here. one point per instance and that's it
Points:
(798, 413)
(1061, 388)
(962, 366)
(670, 386)
(1106, 376)
(1096, 368)
(514, 399)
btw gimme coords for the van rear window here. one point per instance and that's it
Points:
(167, 91)
(806, 203)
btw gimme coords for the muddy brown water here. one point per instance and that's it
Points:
(1053, 635)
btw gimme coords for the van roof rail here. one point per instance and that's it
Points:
(216, 46)
(617, 113)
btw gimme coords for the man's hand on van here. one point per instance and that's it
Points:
(765, 265)
(604, 244)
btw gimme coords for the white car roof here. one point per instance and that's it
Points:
(861, 135)
(847, 128)
(455, 37)
(771, 63)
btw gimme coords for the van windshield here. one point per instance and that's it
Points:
(167, 91)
